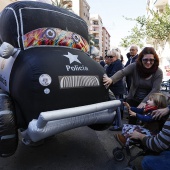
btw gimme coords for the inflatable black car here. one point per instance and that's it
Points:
(49, 84)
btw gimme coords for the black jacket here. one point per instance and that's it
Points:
(117, 88)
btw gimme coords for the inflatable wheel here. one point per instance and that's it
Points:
(118, 154)
(8, 129)
(99, 127)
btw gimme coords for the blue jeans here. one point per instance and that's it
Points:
(118, 120)
(157, 162)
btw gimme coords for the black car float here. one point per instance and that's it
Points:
(48, 82)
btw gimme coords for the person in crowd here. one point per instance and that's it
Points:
(146, 78)
(159, 143)
(121, 59)
(97, 59)
(149, 126)
(117, 88)
(102, 63)
(124, 82)
(132, 56)
(107, 62)
(128, 55)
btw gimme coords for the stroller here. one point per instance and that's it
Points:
(119, 155)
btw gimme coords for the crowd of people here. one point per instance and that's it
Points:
(149, 121)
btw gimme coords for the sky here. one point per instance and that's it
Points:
(112, 12)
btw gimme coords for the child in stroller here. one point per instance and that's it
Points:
(147, 126)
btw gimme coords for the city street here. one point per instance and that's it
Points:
(77, 149)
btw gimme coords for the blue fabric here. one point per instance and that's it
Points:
(157, 162)
(102, 63)
(133, 60)
(139, 114)
(118, 87)
(117, 119)
(137, 110)
(128, 78)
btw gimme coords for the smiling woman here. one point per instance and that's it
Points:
(146, 78)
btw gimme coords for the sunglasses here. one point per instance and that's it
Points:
(145, 60)
(110, 56)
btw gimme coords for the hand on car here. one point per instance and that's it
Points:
(107, 81)
(141, 105)
(127, 105)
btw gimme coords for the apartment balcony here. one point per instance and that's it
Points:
(96, 41)
(94, 22)
(94, 31)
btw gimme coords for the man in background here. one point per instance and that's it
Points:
(133, 56)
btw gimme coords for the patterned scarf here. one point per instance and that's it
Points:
(144, 72)
(150, 108)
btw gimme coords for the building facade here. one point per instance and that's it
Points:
(4, 3)
(101, 37)
(105, 41)
(95, 30)
(79, 7)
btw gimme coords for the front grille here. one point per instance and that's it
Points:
(78, 81)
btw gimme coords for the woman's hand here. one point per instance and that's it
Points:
(133, 114)
(127, 105)
(136, 135)
(158, 114)
(107, 81)
(141, 105)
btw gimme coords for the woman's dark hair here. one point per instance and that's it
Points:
(148, 50)
(142, 71)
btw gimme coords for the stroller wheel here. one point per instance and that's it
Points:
(118, 154)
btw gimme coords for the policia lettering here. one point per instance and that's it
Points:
(76, 68)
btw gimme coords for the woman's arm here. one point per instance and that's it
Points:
(157, 143)
(124, 72)
(119, 75)
(158, 114)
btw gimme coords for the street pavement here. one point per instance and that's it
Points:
(77, 149)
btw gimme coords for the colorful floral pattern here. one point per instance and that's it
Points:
(54, 37)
